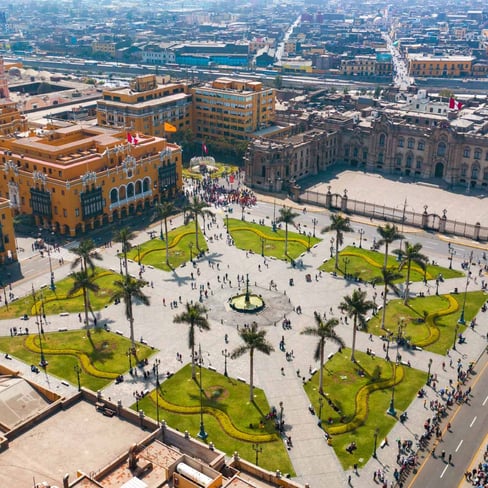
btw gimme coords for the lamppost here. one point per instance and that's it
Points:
(226, 355)
(391, 409)
(157, 362)
(437, 286)
(451, 252)
(388, 346)
(376, 432)
(202, 434)
(428, 372)
(361, 233)
(332, 247)
(120, 263)
(274, 215)
(309, 236)
(78, 372)
(190, 245)
(281, 417)
(53, 285)
(139, 254)
(263, 240)
(257, 450)
(468, 273)
(161, 235)
(129, 355)
(43, 362)
(227, 220)
(346, 262)
(136, 396)
(321, 403)
(314, 222)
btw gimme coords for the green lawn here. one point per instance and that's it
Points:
(430, 321)
(259, 238)
(366, 265)
(101, 357)
(222, 170)
(341, 385)
(57, 301)
(153, 252)
(231, 421)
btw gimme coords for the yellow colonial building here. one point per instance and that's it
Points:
(76, 178)
(232, 109)
(8, 251)
(439, 66)
(145, 106)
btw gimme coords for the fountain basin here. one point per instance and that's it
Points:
(247, 303)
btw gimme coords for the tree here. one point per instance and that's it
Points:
(124, 236)
(194, 315)
(163, 211)
(287, 216)
(85, 281)
(388, 278)
(410, 255)
(356, 307)
(195, 208)
(254, 340)
(339, 224)
(388, 233)
(86, 252)
(377, 92)
(127, 289)
(323, 330)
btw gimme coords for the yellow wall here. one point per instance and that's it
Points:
(450, 67)
(8, 251)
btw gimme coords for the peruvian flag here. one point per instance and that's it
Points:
(132, 139)
(204, 148)
(129, 138)
(454, 104)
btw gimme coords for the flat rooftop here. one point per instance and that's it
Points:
(78, 438)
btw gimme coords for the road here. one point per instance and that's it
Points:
(463, 441)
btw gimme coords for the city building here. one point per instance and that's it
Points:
(233, 109)
(11, 120)
(439, 66)
(77, 178)
(146, 106)
(8, 251)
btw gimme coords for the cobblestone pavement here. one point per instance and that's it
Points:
(314, 461)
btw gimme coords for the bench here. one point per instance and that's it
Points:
(241, 379)
(64, 314)
(99, 405)
(63, 329)
(211, 368)
(108, 412)
(119, 332)
(314, 370)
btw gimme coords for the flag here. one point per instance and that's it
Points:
(169, 127)
(204, 148)
(231, 178)
(129, 138)
(135, 139)
(454, 104)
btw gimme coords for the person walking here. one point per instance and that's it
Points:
(449, 459)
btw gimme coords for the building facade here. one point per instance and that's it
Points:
(145, 106)
(421, 65)
(8, 250)
(74, 179)
(232, 109)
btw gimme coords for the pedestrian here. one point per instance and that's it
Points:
(449, 459)
(443, 454)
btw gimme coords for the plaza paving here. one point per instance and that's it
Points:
(314, 461)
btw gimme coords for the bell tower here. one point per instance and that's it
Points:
(4, 93)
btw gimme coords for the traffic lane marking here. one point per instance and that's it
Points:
(459, 445)
(472, 422)
(444, 470)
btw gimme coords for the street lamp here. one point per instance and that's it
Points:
(376, 432)
(227, 220)
(437, 286)
(281, 417)
(257, 450)
(309, 236)
(332, 247)
(321, 403)
(314, 222)
(391, 409)
(226, 355)
(428, 372)
(346, 262)
(120, 263)
(274, 215)
(43, 362)
(451, 252)
(136, 396)
(361, 233)
(53, 285)
(129, 355)
(190, 245)
(263, 240)
(461, 320)
(157, 362)
(139, 254)
(202, 434)
(78, 371)
(161, 235)
(388, 337)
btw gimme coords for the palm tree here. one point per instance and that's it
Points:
(84, 281)
(195, 208)
(86, 252)
(388, 233)
(124, 236)
(127, 289)
(163, 211)
(287, 216)
(254, 340)
(410, 255)
(323, 330)
(388, 277)
(356, 307)
(193, 315)
(339, 224)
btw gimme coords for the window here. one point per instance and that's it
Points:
(474, 172)
(382, 140)
(464, 170)
(400, 142)
(441, 149)
(418, 164)
(398, 160)
(408, 162)
(466, 152)
(411, 143)
(477, 154)
(485, 174)
(421, 145)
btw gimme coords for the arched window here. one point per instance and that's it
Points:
(130, 190)
(398, 160)
(441, 149)
(138, 187)
(408, 163)
(466, 152)
(382, 140)
(401, 142)
(464, 170)
(418, 164)
(475, 171)
(411, 143)
(122, 193)
(146, 184)
(114, 195)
